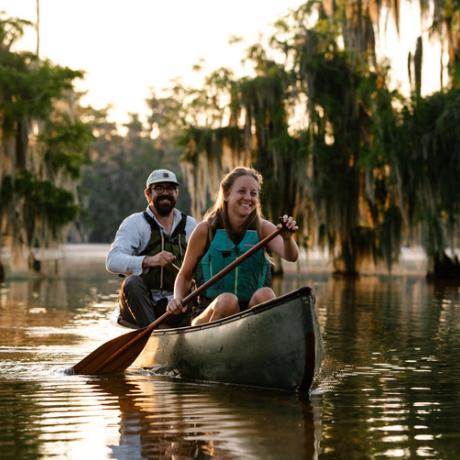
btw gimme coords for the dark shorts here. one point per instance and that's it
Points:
(180, 320)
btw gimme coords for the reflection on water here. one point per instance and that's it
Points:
(389, 385)
(138, 417)
(391, 372)
(160, 417)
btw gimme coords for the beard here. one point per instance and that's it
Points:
(164, 205)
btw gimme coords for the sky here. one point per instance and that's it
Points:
(127, 47)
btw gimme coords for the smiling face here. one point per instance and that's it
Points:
(243, 196)
(162, 198)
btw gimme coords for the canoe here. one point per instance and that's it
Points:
(274, 345)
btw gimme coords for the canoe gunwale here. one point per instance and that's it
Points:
(273, 303)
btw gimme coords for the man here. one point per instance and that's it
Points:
(149, 248)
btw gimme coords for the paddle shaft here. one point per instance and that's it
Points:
(148, 329)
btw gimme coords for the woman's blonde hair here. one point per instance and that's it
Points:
(218, 212)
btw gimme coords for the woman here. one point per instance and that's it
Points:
(229, 228)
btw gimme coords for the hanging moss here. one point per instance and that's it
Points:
(196, 141)
(280, 157)
(263, 101)
(41, 199)
(429, 163)
(370, 167)
(352, 129)
(389, 236)
(205, 153)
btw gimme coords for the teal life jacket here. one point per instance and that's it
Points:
(243, 280)
(162, 278)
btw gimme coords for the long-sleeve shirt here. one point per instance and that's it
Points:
(132, 238)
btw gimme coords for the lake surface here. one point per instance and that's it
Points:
(389, 385)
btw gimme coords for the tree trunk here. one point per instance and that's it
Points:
(22, 142)
(444, 267)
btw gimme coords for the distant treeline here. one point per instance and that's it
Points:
(364, 168)
(112, 184)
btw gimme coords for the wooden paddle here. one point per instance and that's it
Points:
(119, 353)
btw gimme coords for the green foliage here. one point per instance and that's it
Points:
(29, 87)
(44, 143)
(263, 99)
(112, 186)
(41, 201)
(349, 147)
(429, 162)
(66, 144)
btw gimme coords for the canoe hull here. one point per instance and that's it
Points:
(274, 345)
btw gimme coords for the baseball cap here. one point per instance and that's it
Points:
(161, 175)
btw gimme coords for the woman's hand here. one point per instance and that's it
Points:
(175, 307)
(288, 225)
(284, 244)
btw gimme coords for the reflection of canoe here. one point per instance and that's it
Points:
(275, 345)
(158, 419)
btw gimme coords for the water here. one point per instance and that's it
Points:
(389, 386)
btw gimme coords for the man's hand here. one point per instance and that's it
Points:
(158, 260)
(175, 307)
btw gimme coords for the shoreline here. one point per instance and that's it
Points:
(67, 259)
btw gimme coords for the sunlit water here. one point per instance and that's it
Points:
(389, 386)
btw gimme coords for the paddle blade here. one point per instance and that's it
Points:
(117, 354)
(113, 356)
